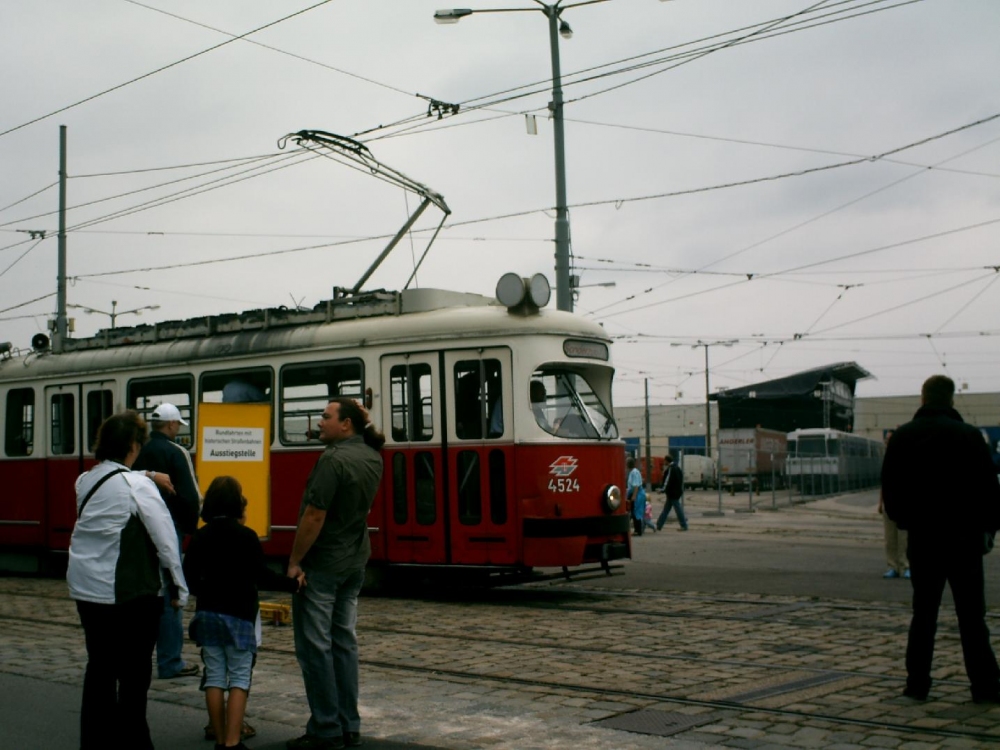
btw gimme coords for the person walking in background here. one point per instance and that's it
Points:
(162, 454)
(951, 518)
(225, 567)
(635, 493)
(895, 541)
(331, 549)
(123, 552)
(673, 490)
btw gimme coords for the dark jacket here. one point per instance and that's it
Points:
(673, 481)
(224, 567)
(164, 455)
(938, 480)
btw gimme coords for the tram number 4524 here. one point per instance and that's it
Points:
(564, 485)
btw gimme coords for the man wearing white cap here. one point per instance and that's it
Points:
(162, 454)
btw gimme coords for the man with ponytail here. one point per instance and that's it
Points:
(330, 550)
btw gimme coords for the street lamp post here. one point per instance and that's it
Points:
(557, 28)
(708, 410)
(114, 310)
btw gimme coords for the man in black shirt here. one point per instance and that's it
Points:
(949, 515)
(673, 490)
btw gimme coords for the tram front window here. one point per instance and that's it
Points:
(573, 403)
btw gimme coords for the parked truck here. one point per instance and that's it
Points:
(699, 471)
(751, 456)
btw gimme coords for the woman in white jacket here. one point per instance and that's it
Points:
(123, 550)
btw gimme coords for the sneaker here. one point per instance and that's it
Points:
(684, 528)
(353, 739)
(312, 742)
(890, 573)
(191, 670)
(915, 693)
(906, 573)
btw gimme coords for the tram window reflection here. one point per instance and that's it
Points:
(100, 406)
(145, 395)
(470, 497)
(426, 491)
(19, 427)
(399, 505)
(498, 487)
(573, 403)
(306, 389)
(411, 403)
(63, 424)
(478, 399)
(237, 386)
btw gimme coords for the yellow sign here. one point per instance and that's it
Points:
(235, 440)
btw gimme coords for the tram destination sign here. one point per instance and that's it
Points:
(233, 444)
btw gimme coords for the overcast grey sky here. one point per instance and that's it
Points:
(887, 262)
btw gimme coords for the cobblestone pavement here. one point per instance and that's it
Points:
(573, 666)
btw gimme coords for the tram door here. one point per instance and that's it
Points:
(415, 510)
(73, 414)
(482, 523)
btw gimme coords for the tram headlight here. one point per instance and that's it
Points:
(611, 498)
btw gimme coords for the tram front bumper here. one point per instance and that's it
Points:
(556, 542)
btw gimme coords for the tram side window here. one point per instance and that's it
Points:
(470, 497)
(498, 487)
(62, 427)
(478, 399)
(237, 386)
(100, 405)
(399, 509)
(306, 390)
(410, 403)
(19, 430)
(145, 395)
(426, 491)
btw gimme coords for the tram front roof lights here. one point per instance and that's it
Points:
(523, 295)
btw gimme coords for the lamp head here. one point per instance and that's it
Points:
(564, 30)
(454, 15)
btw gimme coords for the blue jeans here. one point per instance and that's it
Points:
(227, 667)
(679, 505)
(324, 618)
(171, 638)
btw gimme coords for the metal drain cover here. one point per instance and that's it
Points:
(659, 723)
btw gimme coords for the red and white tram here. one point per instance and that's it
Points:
(502, 451)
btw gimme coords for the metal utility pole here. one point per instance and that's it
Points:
(649, 449)
(564, 294)
(708, 411)
(61, 330)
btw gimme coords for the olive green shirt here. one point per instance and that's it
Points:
(343, 483)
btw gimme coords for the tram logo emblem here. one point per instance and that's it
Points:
(563, 466)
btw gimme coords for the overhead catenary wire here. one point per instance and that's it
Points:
(244, 38)
(136, 191)
(209, 186)
(162, 68)
(21, 257)
(840, 206)
(29, 197)
(419, 123)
